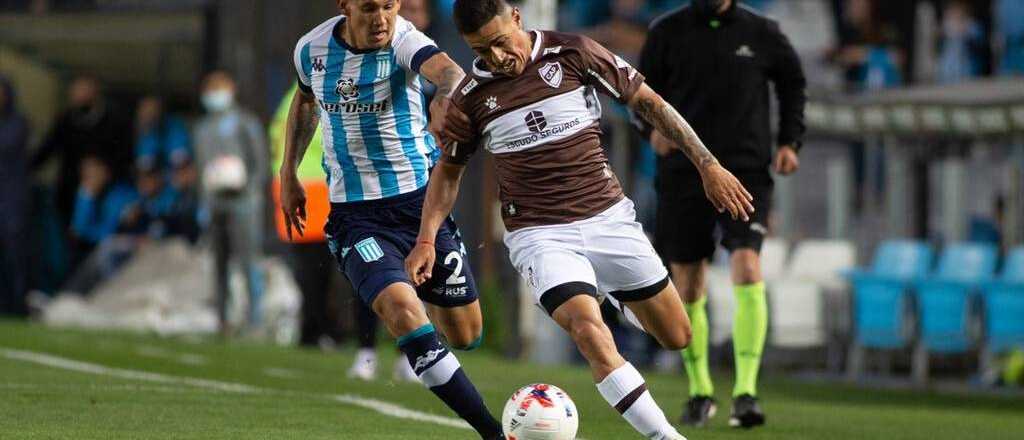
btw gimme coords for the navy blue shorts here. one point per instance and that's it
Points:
(371, 239)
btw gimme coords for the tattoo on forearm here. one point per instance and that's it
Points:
(306, 125)
(303, 129)
(672, 125)
(450, 78)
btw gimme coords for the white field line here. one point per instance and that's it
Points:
(382, 407)
(85, 367)
(101, 387)
(281, 373)
(182, 358)
(390, 409)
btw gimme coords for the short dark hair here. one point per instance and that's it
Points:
(471, 15)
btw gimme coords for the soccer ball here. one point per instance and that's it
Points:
(540, 412)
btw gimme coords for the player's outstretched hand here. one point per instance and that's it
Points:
(727, 193)
(447, 122)
(420, 262)
(293, 203)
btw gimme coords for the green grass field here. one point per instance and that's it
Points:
(78, 384)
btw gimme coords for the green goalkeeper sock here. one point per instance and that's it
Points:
(749, 327)
(695, 356)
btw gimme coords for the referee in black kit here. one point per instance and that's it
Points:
(713, 61)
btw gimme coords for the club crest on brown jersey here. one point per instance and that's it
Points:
(551, 73)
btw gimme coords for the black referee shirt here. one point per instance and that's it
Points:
(715, 70)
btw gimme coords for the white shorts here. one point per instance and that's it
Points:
(604, 254)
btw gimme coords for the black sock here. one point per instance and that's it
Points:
(440, 371)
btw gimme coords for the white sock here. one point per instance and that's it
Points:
(626, 391)
(365, 358)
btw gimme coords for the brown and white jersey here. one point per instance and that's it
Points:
(543, 128)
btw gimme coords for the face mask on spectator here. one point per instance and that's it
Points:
(216, 101)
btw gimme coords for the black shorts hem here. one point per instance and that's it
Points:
(554, 297)
(641, 293)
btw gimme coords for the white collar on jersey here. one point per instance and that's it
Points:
(537, 43)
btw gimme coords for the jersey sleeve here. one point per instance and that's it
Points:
(458, 152)
(608, 72)
(303, 66)
(412, 47)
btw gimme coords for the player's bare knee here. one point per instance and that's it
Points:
(464, 338)
(678, 338)
(746, 267)
(399, 314)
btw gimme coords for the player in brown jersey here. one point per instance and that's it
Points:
(572, 232)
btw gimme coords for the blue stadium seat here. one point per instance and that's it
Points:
(1003, 300)
(946, 300)
(882, 302)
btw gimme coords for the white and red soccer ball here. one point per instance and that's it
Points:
(540, 412)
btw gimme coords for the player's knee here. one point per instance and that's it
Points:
(465, 339)
(677, 339)
(746, 266)
(590, 333)
(399, 314)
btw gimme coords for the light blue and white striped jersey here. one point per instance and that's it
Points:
(372, 111)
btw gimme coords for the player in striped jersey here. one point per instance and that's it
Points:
(360, 78)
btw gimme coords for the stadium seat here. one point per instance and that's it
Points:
(1003, 303)
(946, 301)
(882, 312)
(774, 253)
(797, 299)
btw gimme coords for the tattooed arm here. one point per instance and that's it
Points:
(446, 75)
(721, 187)
(299, 130)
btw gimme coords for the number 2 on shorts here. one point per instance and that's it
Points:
(456, 276)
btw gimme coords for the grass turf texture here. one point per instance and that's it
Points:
(39, 401)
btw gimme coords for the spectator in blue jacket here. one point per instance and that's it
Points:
(963, 45)
(99, 207)
(161, 138)
(1010, 21)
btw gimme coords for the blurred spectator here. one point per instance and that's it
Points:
(161, 139)
(154, 210)
(872, 61)
(14, 132)
(963, 45)
(90, 126)
(989, 228)
(1010, 18)
(417, 12)
(166, 178)
(233, 156)
(620, 25)
(868, 52)
(101, 204)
